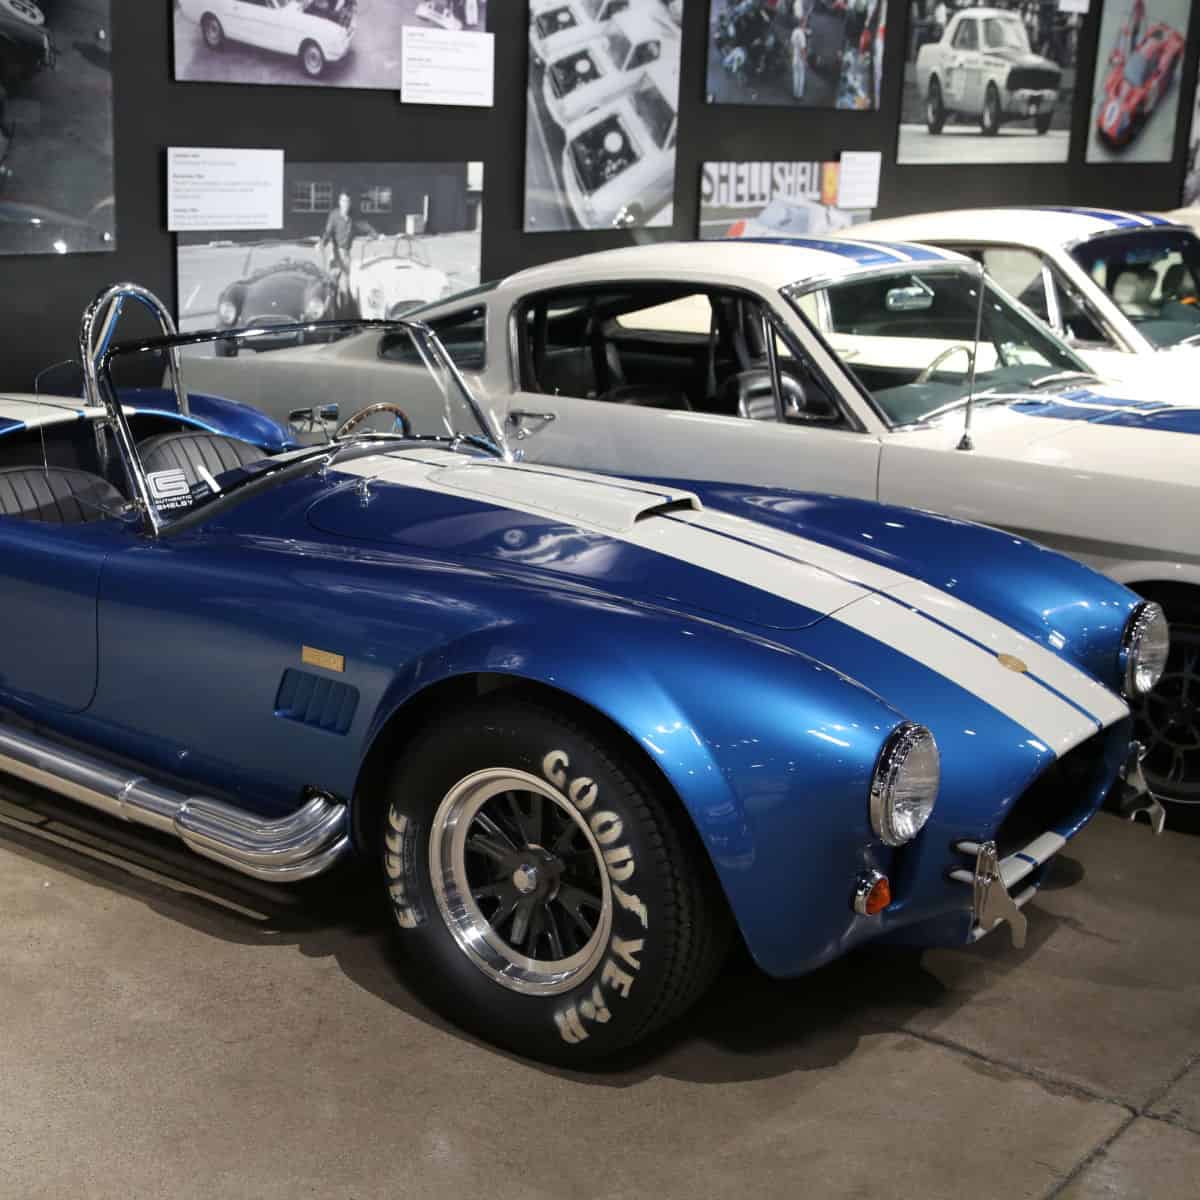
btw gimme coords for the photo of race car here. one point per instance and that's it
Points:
(1135, 98)
(1140, 74)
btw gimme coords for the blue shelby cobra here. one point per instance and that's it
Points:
(584, 727)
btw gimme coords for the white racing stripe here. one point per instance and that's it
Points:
(922, 623)
(1076, 685)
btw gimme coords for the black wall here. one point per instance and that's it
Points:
(41, 298)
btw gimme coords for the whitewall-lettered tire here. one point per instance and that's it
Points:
(548, 894)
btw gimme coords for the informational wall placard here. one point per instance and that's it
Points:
(211, 189)
(445, 66)
(776, 199)
(858, 179)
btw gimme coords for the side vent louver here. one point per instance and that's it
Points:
(316, 701)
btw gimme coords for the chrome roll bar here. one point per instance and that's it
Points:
(95, 343)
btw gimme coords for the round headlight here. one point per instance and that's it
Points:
(314, 306)
(905, 785)
(227, 312)
(1145, 645)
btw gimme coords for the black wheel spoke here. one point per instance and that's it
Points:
(526, 906)
(490, 847)
(552, 933)
(574, 900)
(529, 823)
(506, 896)
(493, 830)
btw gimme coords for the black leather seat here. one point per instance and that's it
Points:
(181, 451)
(58, 495)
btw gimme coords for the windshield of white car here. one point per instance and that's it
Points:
(266, 400)
(1152, 276)
(908, 337)
(373, 250)
(652, 106)
(1005, 33)
(618, 48)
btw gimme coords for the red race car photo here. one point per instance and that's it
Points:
(1142, 68)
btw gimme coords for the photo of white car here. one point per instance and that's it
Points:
(618, 166)
(557, 26)
(609, 63)
(1122, 288)
(315, 32)
(791, 216)
(390, 276)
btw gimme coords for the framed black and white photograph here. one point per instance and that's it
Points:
(993, 84)
(602, 114)
(796, 53)
(1135, 96)
(332, 43)
(369, 240)
(773, 199)
(56, 127)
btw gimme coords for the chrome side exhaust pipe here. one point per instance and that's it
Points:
(298, 846)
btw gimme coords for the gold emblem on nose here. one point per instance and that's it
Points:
(1012, 663)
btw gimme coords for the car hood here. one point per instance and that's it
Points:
(612, 540)
(283, 290)
(1023, 58)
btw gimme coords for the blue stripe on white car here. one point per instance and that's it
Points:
(1114, 218)
(865, 254)
(1056, 702)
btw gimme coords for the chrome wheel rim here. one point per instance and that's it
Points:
(313, 61)
(520, 881)
(1168, 722)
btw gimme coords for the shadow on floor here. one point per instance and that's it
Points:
(748, 1026)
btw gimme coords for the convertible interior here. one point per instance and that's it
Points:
(70, 472)
(667, 347)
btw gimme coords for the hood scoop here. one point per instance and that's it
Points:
(596, 500)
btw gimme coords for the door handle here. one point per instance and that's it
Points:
(518, 416)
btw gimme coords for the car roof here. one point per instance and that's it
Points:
(1048, 227)
(770, 262)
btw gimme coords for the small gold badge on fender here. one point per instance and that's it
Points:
(1012, 663)
(323, 658)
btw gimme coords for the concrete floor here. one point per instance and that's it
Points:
(168, 1029)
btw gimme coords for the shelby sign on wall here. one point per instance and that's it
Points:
(772, 199)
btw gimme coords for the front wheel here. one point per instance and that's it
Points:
(312, 59)
(935, 109)
(989, 120)
(214, 34)
(1042, 122)
(1168, 720)
(548, 895)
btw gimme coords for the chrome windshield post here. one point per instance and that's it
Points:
(95, 348)
(966, 442)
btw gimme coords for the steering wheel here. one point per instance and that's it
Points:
(352, 423)
(941, 358)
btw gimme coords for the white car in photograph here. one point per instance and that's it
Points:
(557, 26)
(833, 366)
(1122, 287)
(618, 163)
(316, 32)
(390, 276)
(984, 70)
(791, 216)
(608, 63)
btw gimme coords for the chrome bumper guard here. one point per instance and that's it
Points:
(993, 879)
(1136, 796)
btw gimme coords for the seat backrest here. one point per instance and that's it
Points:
(182, 451)
(57, 495)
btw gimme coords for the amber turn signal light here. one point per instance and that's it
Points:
(872, 894)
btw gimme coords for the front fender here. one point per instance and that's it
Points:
(769, 752)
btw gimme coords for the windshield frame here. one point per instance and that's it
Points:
(794, 292)
(98, 351)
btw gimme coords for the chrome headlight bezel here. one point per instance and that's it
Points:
(1147, 635)
(227, 311)
(897, 756)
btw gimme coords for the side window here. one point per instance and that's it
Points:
(966, 36)
(464, 334)
(1018, 272)
(647, 52)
